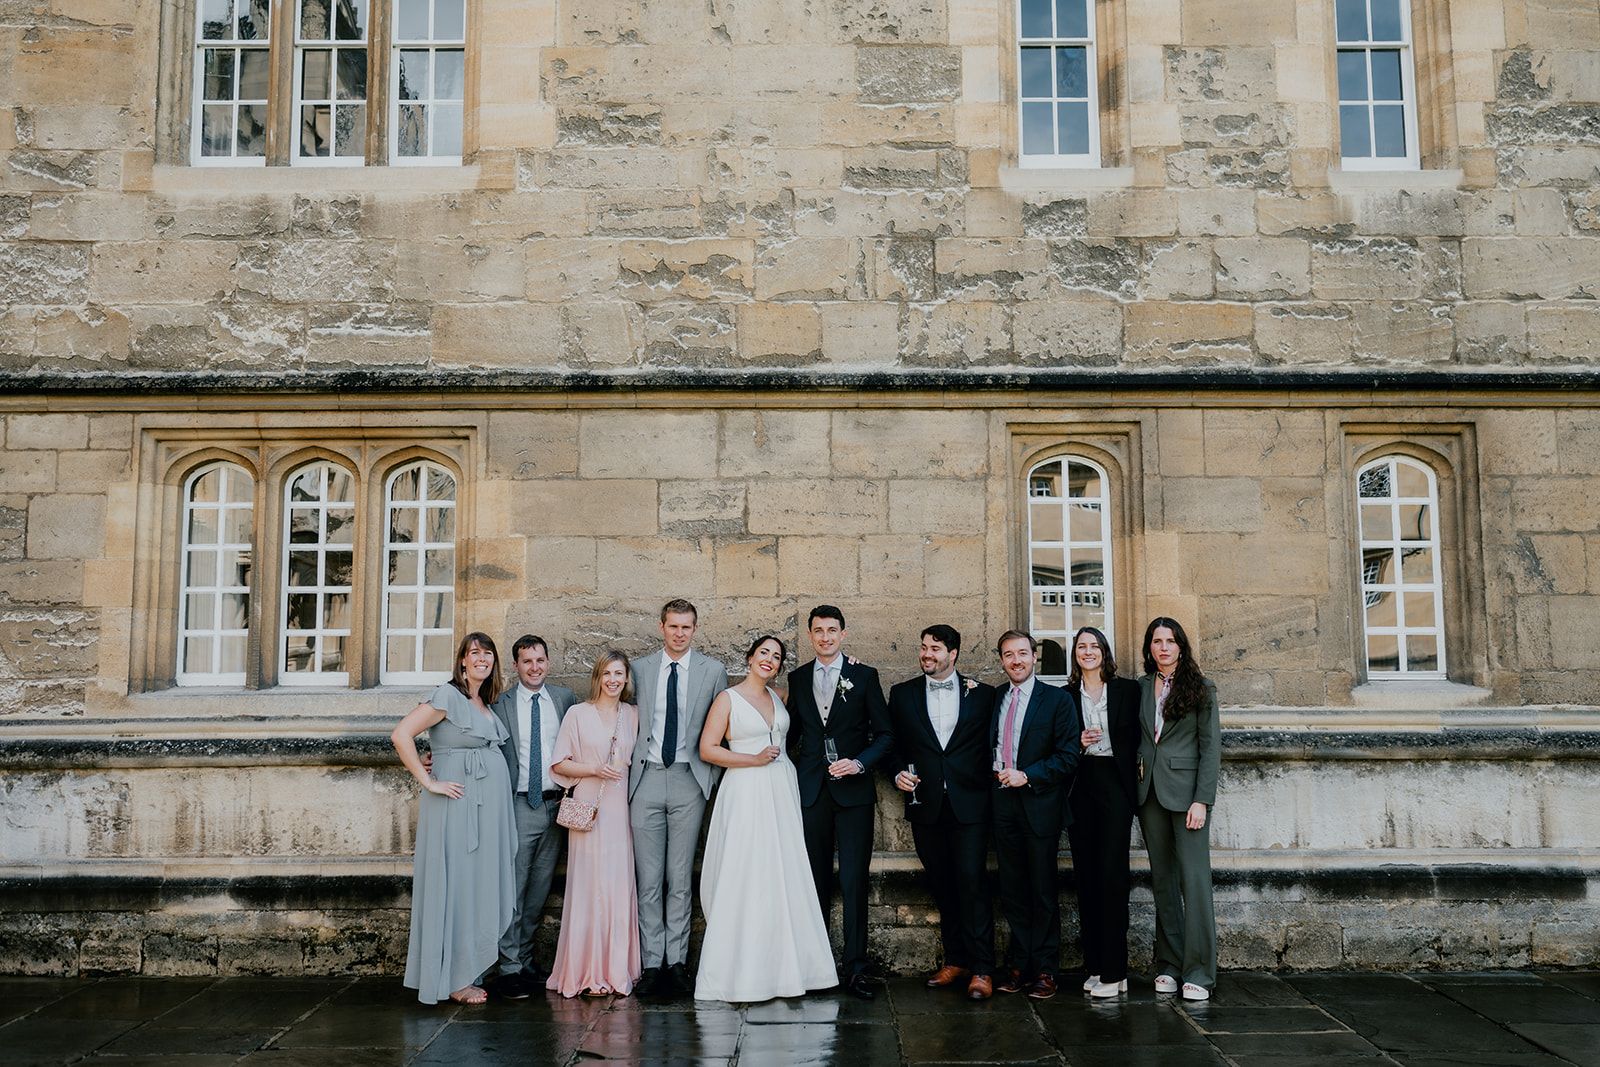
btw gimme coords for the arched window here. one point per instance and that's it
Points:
(319, 517)
(214, 601)
(419, 584)
(1069, 555)
(1401, 592)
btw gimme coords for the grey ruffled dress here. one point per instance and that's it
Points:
(461, 885)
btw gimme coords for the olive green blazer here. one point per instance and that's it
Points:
(1184, 766)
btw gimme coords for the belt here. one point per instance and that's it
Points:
(472, 762)
(548, 794)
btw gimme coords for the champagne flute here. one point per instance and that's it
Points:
(830, 752)
(998, 764)
(911, 769)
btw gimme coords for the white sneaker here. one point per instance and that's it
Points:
(1090, 982)
(1165, 983)
(1103, 990)
(1195, 992)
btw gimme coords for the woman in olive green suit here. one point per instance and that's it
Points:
(1180, 754)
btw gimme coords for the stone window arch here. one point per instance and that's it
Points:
(1402, 575)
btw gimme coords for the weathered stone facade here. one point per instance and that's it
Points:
(752, 302)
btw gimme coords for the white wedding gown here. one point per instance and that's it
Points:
(765, 936)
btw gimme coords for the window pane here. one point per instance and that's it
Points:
(400, 653)
(216, 17)
(341, 487)
(1422, 652)
(1049, 567)
(1072, 73)
(233, 652)
(1045, 481)
(1418, 609)
(1053, 657)
(1351, 18)
(315, 65)
(333, 654)
(405, 567)
(1036, 72)
(402, 610)
(235, 611)
(1088, 567)
(1416, 566)
(219, 74)
(1085, 519)
(307, 484)
(411, 20)
(254, 20)
(446, 129)
(203, 526)
(1374, 482)
(202, 570)
(1352, 76)
(234, 568)
(441, 524)
(1377, 566)
(350, 131)
(1049, 611)
(302, 568)
(197, 653)
(1383, 652)
(1389, 127)
(1083, 481)
(1385, 75)
(407, 485)
(315, 126)
(1354, 139)
(352, 74)
(1074, 128)
(1416, 522)
(412, 136)
(339, 568)
(441, 484)
(1072, 18)
(1046, 519)
(1036, 18)
(437, 609)
(449, 20)
(298, 652)
(1377, 522)
(448, 74)
(350, 21)
(252, 130)
(301, 611)
(304, 525)
(403, 523)
(1089, 616)
(441, 567)
(341, 526)
(236, 526)
(314, 20)
(1038, 133)
(336, 611)
(1386, 20)
(254, 73)
(207, 488)
(201, 611)
(436, 652)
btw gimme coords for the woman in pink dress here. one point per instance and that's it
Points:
(598, 951)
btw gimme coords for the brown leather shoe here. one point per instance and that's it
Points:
(1010, 982)
(980, 987)
(1043, 988)
(947, 975)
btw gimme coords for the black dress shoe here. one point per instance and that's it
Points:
(860, 987)
(510, 986)
(649, 982)
(537, 975)
(678, 981)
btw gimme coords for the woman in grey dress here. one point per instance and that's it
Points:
(461, 886)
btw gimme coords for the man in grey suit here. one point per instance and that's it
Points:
(532, 711)
(668, 786)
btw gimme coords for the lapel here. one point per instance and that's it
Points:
(698, 681)
(506, 710)
(1147, 707)
(1030, 721)
(833, 695)
(968, 706)
(925, 720)
(644, 688)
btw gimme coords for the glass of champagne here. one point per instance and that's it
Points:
(830, 752)
(999, 764)
(911, 769)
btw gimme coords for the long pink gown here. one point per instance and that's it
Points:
(599, 944)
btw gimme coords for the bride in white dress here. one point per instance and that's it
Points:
(765, 936)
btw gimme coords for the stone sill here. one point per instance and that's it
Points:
(1351, 182)
(1065, 179)
(229, 182)
(1397, 695)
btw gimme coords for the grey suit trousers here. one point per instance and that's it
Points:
(539, 842)
(666, 811)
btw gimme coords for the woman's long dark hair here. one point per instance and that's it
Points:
(1188, 691)
(1108, 664)
(489, 689)
(783, 649)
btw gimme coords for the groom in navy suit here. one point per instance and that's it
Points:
(836, 703)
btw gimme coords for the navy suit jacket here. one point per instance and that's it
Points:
(858, 723)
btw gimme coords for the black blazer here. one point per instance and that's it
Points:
(960, 774)
(1122, 715)
(858, 722)
(1047, 754)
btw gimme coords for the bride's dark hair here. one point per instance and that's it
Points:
(783, 649)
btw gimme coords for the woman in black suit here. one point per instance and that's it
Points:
(1102, 800)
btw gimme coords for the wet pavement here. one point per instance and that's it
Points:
(1507, 1019)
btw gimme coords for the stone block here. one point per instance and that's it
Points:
(523, 445)
(837, 506)
(1255, 563)
(1554, 268)
(891, 566)
(974, 269)
(1052, 217)
(773, 444)
(1491, 332)
(1108, 267)
(856, 334)
(312, 270)
(747, 567)
(1155, 331)
(901, 269)
(1562, 333)
(954, 567)
(92, 334)
(903, 74)
(46, 274)
(1366, 269)
(937, 506)
(1411, 332)
(809, 268)
(1065, 332)
(659, 444)
(40, 583)
(702, 508)
(27, 472)
(1269, 268)
(443, 271)
(1574, 632)
(689, 334)
(967, 334)
(713, 269)
(1578, 442)
(1548, 564)
(1211, 505)
(179, 955)
(1305, 333)
(629, 565)
(1261, 443)
(1133, 213)
(904, 444)
(559, 565)
(1181, 443)
(1213, 73)
(779, 334)
(66, 526)
(78, 472)
(1177, 270)
(601, 334)
(889, 21)
(1217, 213)
(549, 507)
(821, 565)
(504, 334)
(111, 950)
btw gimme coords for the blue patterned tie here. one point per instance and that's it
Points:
(535, 756)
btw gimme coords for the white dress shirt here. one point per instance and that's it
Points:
(944, 708)
(527, 701)
(658, 714)
(825, 683)
(1022, 713)
(1095, 718)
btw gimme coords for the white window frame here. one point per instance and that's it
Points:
(215, 632)
(432, 45)
(1400, 587)
(1068, 591)
(321, 546)
(417, 630)
(1408, 89)
(1091, 158)
(333, 45)
(198, 102)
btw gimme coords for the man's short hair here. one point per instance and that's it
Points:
(825, 611)
(528, 641)
(679, 606)
(948, 636)
(1012, 635)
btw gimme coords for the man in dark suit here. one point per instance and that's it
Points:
(1036, 736)
(941, 725)
(531, 711)
(839, 732)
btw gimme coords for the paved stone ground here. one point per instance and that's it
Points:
(1426, 1020)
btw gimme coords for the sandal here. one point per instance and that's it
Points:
(592, 992)
(470, 995)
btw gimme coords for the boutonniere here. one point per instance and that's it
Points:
(845, 685)
(972, 683)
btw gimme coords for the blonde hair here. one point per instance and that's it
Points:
(606, 659)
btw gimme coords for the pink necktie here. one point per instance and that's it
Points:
(1008, 754)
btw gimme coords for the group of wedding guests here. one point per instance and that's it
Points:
(625, 775)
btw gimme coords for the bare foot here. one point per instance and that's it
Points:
(470, 995)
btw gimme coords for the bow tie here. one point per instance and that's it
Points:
(948, 684)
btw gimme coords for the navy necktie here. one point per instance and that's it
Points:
(669, 735)
(535, 756)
